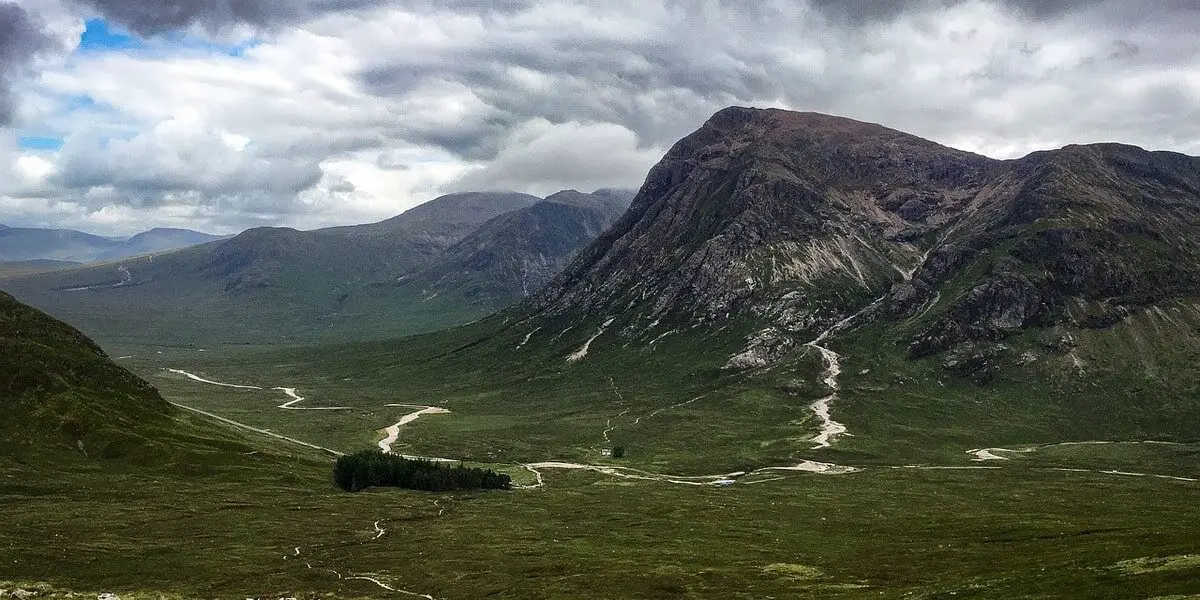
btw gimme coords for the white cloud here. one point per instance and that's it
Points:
(542, 158)
(345, 112)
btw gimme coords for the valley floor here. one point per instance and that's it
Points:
(1007, 533)
(1064, 520)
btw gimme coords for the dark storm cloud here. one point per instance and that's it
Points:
(22, 37)
(151, 17)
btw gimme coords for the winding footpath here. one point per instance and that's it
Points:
(297, 399)
(126, 279)
(371, 577)
(393, 433)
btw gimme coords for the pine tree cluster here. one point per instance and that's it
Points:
(369, 468)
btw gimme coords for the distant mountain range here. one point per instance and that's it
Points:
(451, 260)
(27, 243)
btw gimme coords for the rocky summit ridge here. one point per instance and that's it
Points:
(803, 223)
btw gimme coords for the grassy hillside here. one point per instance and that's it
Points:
(67, 404)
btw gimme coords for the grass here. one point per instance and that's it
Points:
(1142, 566)
(229, 524)
(983, 534)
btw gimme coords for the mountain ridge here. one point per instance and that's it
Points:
(798, 221)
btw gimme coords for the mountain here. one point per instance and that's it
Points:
(270, 284)
(797, 221)
(763, 211)
(161, 239)
(791, 281)
(518, 252)
(24, 244)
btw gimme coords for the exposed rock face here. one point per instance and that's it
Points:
(1002, 305)
(799, 220)
(764, 211)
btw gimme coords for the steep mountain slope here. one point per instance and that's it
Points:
(24, 243)
(518, 252)
(1081, 237)
(63, 400)
(797, 221)
(790, 215)
(272, 284)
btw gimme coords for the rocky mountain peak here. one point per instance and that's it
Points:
(760, 204)
(800, 221)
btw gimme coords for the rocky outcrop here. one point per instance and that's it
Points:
(1003, 305)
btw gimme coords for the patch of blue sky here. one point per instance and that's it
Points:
(80, 114)
(39, 142)
(101, 36)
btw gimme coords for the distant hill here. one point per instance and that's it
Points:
(515, 254)
(449, 261)
(160, 239)
(28, 267)
(28, 243)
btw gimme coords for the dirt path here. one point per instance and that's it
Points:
(291, 392)
(211, 382)
(390, 588)
(296, 399)
(126, 279)
(267, 432)
(393, 433)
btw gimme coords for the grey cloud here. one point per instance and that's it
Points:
(159, 16)
(177, 164)
(542, 158)
(22, 37)
(152, 17)
(705, 56)
(537, 101)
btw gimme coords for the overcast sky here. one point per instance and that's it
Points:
(218, 115)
